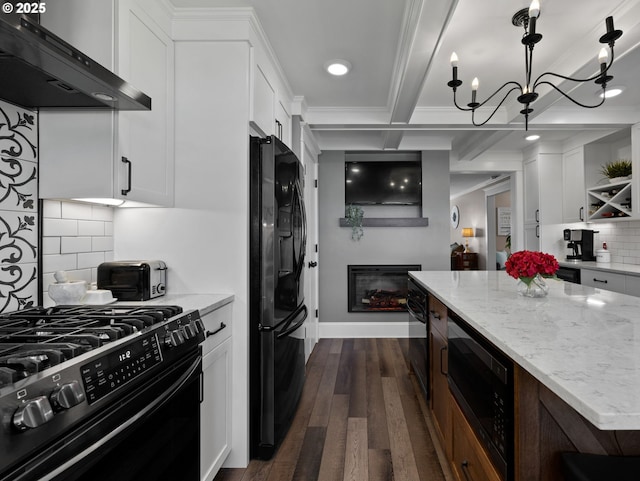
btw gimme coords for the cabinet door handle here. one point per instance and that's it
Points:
(604, 281)
(213, 333)
(465, 470)
(538, 231)
(581, 213)
(128, 189)
(435, 314)
(537, 215)
(442, 371)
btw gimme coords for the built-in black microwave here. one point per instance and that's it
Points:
(481, 381)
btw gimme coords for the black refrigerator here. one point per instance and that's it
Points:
(276, 300)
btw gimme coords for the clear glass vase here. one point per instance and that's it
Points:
(536, 287)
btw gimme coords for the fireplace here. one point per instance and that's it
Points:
(378, 288)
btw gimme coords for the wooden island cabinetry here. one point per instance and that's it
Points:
(462, 448)
(575, 370)
(439, 396)
(547, 426)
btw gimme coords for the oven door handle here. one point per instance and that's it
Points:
(149, 409)
(415, 310)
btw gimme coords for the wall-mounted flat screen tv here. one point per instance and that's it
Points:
(383, 182)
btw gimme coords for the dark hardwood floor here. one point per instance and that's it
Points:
(360, 418)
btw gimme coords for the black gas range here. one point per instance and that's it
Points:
(82, 386)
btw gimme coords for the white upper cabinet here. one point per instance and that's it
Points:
(271, 103)
(118, 155)
(573, 186)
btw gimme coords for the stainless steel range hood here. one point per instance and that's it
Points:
(40, 70)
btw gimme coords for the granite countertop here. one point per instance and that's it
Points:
(205, 303)
(617, 267)
(581, 342)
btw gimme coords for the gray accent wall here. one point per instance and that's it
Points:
(428, 246)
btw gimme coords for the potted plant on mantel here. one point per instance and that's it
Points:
(617, 170)
(354, 215)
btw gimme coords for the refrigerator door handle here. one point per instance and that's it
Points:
(286, 321)
(293, 328)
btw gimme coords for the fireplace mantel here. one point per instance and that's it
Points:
(389, 222)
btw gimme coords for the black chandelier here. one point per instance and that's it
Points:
(527, 18)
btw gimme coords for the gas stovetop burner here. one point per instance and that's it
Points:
(38, 338)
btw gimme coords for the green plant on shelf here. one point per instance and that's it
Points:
(616, 168)
(354, 215)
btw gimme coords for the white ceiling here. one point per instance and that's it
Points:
(396, 96)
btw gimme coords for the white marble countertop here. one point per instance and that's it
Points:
(617, 267)
(205, 303)
(581, 342)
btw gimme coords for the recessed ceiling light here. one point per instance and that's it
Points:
(531, 138)
(337, 67)
(611, 92)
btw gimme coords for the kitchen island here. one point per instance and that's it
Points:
(576, 357)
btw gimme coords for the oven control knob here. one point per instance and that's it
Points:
(198, 325)
(67, 396)
(33, 413)
(188, 331)
(175, 338)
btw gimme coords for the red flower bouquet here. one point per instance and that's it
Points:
(526, 265)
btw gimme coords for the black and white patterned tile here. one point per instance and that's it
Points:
(18, 207)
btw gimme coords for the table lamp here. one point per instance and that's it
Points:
(466, 233)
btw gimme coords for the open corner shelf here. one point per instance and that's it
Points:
(610, 201)
(389, 222)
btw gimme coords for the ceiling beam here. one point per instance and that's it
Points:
(424, 24)
(478, 143)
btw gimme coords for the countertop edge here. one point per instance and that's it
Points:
(204, 303)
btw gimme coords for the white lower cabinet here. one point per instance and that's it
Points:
(215, 410)
(632, 285)
(604, 280)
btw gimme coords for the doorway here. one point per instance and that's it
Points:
(498, 200)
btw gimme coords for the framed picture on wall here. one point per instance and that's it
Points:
(504, 220)
(455, 217)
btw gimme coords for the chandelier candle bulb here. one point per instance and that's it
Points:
(454, 66)
(534, 9)
(603, 57)
(474, 89)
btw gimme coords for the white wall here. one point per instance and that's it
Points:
(204, 239)
(428, 246)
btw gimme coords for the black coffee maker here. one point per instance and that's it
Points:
(581, 243)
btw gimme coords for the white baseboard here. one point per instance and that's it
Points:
(343, 330)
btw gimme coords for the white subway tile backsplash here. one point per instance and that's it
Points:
(52, 209)
(76, 210)
(91, 228)
(102, 243)
(70, 245)
(88, 260)
(102, 213)
(77, 238)
(51, 245)
(59, 262)
(59, 227)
